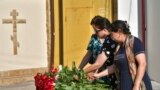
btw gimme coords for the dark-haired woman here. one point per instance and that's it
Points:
(96, 41)
(129, 61)
(101, 28)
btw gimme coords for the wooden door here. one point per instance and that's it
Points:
(77, 30)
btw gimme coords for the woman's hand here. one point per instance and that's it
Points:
(90, 76)
(96, 75)
(135, 87)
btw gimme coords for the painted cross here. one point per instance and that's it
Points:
(14, 21)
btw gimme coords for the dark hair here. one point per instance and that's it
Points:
(120, 25)
(95, 18)
(100, 22)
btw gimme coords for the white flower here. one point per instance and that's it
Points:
(60, 68)
(56, 77)
(54, 84)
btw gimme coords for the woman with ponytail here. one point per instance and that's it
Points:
(129, 60)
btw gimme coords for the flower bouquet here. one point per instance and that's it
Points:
(65, 79)
(46, 81)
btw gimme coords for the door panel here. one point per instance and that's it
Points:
(77, 30)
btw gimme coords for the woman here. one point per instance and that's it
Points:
(130, 59)
(95, 43)
(100, 27)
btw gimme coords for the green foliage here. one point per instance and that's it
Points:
(76, 79)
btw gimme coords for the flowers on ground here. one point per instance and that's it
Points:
(46, 81)
(63, 78)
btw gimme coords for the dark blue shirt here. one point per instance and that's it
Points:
(121, 62)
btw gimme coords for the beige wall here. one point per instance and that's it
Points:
(32, 36)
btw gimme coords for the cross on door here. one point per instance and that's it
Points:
(14, 21)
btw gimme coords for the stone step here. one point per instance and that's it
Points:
(15, 80)
(19, 76)
(20, 86)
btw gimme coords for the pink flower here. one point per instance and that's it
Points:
(54, 70)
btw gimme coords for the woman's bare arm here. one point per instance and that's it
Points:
(99, 62)
(85, 59)
(141, 60)
(108, 71)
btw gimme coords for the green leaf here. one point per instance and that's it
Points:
(66, 80)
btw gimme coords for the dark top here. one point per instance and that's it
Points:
(109, 47)
(121, 62)
(95, 47)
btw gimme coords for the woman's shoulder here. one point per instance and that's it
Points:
(109, 40)
(138, 46)
(94, 36)
(137, 40)
(109, 43)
